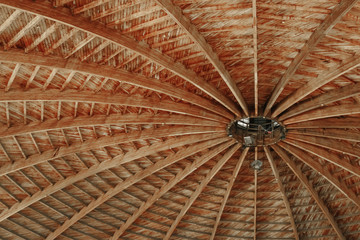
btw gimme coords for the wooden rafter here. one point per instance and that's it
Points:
(138, 15)
(96, 3)
(127, 5)
(114, 119)
(80, 45)
(88, 87)
(255, 202)
(94, 169)
(325, 112)
(176, 14)
(301, 176)
(68, 79)
(97, 49)
(344, 122)
(50, 78)
(89, 5)
(98, 143)
(282, 190)
(62, 39)
(332, 144)
(134, 101)
(339, 134)
(46, 10)
(329, 22)
(12, 77)
(326, 155)
(42, 37)
(200, 188)
(14, 56)
(61, 2)
(21, 33)
(9, 20)
(165, 188)
(228, 190)
(181, 154)
(308, 160)
(255, 46)
(316, 83)
(323, 99)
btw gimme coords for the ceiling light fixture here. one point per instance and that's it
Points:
(256, 131)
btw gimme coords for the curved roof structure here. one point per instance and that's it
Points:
(115, 118)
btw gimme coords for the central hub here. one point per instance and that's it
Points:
(256, 131)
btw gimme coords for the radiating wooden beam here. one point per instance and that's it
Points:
(228, 190)
(297, 171)
(343, 122)
(326, 155)
(316, 83)
(200, 188)
(17, 56)
(322, 170)
(62, 15)
(323, 99)
(165, 188)
(255, 201)
(342, 147)
(96, 168)
(48, 155)
(113, 119)
(104, 98)
(255, 43)
(338, 134)
(325, 112)
(329, 22)
(282, 191)
(176, 14)
(173, 158)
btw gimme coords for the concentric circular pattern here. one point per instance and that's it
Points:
(114, 117)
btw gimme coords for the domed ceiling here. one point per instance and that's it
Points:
(183, 119)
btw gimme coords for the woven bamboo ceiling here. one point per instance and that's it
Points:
(114, 118)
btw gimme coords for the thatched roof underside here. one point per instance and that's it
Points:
(114, 113)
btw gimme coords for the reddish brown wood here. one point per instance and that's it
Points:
(317, 83)
(326, 112)
(306, 158)
(282, 190)
(97, 30)
(110, 163)
(92, 144)
(337, 13)
(180, 176)
(175, 13)
(310, 188)
(108, 107)
(132, 180)
(116, 74)
(103, 98)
